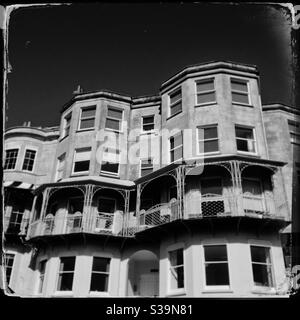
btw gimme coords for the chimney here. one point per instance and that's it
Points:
(78, 90)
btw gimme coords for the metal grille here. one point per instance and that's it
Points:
(104, 222)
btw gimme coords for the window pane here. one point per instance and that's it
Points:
(176, 108)
(101, 264)
(210, 146)
(148, 127)
(175, 96)
(217, 274)
(87, 123)
(240, 98)
(239, 86)
(67, 264)
(65, 282)
(252, 186)
(113, 124)
(177, 140)
(260, 254)
(88, 112)
(178, 154)
(262, 275)
(99, 282)
(205, 85)
(147, 120)
(113, 113)
(206, 97)
(110, 167)
(215, 253)
(176, 257)
(81, 166)
(11, 158)
(210, 132)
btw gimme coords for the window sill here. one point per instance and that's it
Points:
(63, 294)
(85, 130)
(248, 153)
(179, 292)
(173, 115)
(264, 290)
(113, 130)
(149, 132)
(208, 153)
(110, 175)
(98, 294)
(207, 290)
(206, 104)
(242, 104)
(83, 173)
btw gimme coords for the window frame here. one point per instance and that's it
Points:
(211, 139)
(41, 277)
(101, 272)
(240, 80)
(197, 104)
(179, 88)
(181, 146)
(64, 292)
(273, 284)
(73, 164)
(216, 288)
(66, 125)
(141, 160)
(93, 106)
(142, 124)
(176, 291)
(7, 283)
(110, 173)
(254, 139)
(112, 118)
(34, 160)
(18, 154)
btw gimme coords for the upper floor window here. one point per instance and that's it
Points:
(60, 167)
(11, 159)
(114, 119)
(175, 102)
(240, 91)
(67, 124)
(148, 123)
(87, 118)
(66, 274)
(75, 204)
(294, 129)
(9, 262)
(208, 140)
(176, 269)
(261, 266)
(42, 269)
(146, 166)
(110, 161)
(100, 274)
(82, 160)
(216, 265)
(29, 160)
(176, 147)
(16, 218)
(206, 91)
(245, 139)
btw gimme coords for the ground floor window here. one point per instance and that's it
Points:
(42, 269)
(216, 265)
(66, 274)
(9, 261)
(176, 269)
(100, 274)
(261, 266)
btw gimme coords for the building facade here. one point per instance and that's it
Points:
(183, 194)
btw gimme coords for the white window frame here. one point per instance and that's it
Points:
(142, 124)
(87, 118)
(262, 288)
(241, 80)
(64, 292)
(177, 291)
(254, 139)
(216, 288)
(73, 165)
(108, 117)
(109, 173)
(41, 283)
(34, 161)
(65, 126)
(169, 142)
(218, 139)
(63, 155)
(18, 155)
(141, 160)
(171, 104)
(101, 272)
(206, 91)
(12, 267)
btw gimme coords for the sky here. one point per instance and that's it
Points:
(132, 49)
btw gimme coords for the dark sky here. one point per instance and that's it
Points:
(132, 48)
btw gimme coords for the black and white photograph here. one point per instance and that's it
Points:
(150, 150)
